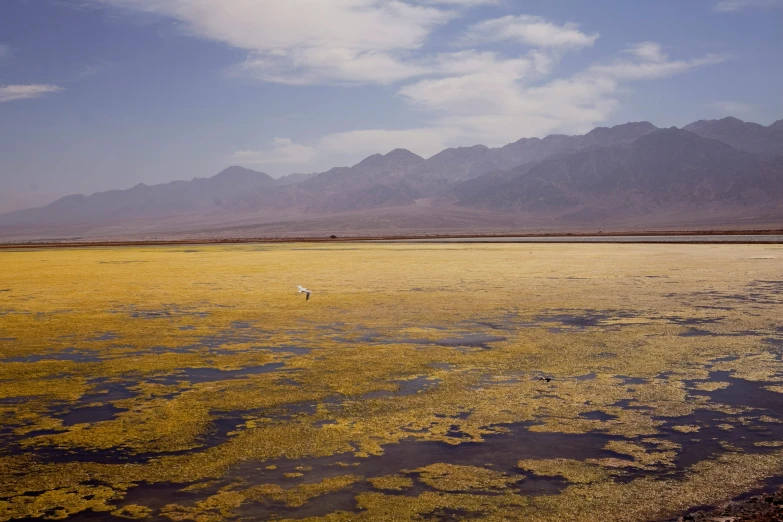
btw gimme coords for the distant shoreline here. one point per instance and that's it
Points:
(472, 238)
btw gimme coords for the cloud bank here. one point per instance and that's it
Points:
(496, 83)
(9, 93)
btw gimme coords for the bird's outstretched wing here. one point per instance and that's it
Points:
(300, 289)
(307, 298)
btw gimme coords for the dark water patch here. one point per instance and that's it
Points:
(104, 390)
(408, 387)
(774, 342)
(286, 348)
(633, 380)
(597, 415)
(7, 338)
(756, 293)
(706, 443)
(453, 515)
(743, 393)
(534, 485)
(586, 377)
(696, 332)
(199, 375)
(585, 319)
(186, 328)
(727, 358)
(502, 450)
(241, 325)
(471, 340)
(167, 312)
(239, 333)
(687, 321)
(108, 336)
(68, 354)
(90, 415)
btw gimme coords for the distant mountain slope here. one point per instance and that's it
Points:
(143, 201)
(666, 168)
(747, 136)
(470, 162)
(724, 167)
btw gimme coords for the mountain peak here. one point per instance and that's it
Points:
(747, 136)
(403, 154)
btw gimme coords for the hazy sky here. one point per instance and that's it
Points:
(102, 94)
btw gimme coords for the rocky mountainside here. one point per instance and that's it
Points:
(609, 173)
(747, 136)
(670, 167)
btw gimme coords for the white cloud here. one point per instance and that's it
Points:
(651, 63)
(423, 141)
(24, 92)
(730, 6)
(530, 30)
(465, 97)
(481, 97)
(647, 51)
(282, 151)
(461, 3)
(310, 41)
(731, 108)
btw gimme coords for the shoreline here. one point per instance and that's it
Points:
(473, 238)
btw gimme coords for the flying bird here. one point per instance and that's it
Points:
(305, 290)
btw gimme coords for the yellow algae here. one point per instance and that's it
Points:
(392, 482)
(452, 477)
(132, 511)
(128, 367)
(573, 471)
(686, 428)
(711, 386)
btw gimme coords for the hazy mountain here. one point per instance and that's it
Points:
(635, 169)
(531, 150)
(747, 136)
(143, 201)
(290, 179)
(670, 167)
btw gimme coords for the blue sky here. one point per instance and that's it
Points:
(103, 94)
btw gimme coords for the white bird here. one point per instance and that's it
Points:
(305, 290)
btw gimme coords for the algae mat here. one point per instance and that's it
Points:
(193, 383)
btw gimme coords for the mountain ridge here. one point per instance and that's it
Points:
(607, 173)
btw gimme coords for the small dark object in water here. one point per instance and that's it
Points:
(545, 379)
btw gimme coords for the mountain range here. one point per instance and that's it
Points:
(711, 172)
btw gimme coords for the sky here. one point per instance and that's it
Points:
(105, 94)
